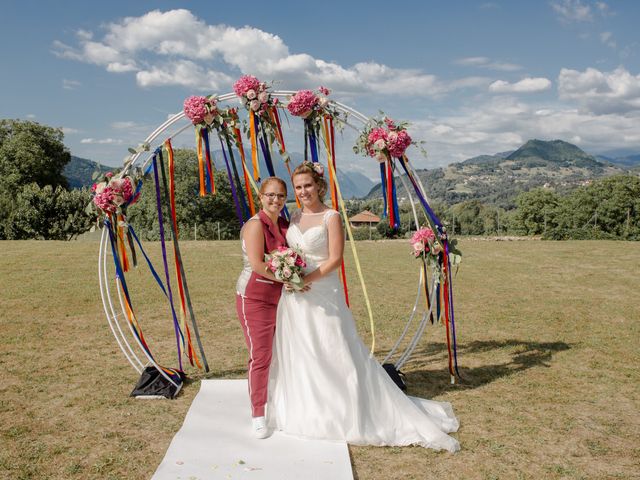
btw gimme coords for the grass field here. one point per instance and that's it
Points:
(548, 346)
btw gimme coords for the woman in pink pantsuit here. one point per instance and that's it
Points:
(258, 292)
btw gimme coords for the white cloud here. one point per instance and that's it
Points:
(572, 10)
(177, 48)
(30, 116)
(101, 141)
(601, 92)
(607, 39)
(69, 130)
(505, 123)
(526, 85)
(70, 84)
(123, 125)
(487, 63)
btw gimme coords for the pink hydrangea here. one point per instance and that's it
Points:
(400, 142)
(195, 108)
(104, 200)
(109, 197)
(302, 103)
(424, 234)
(246, 83)
(378, 133)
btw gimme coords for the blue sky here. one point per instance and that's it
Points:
(472, 77)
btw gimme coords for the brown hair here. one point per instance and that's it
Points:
(307, 167)
(269, 180)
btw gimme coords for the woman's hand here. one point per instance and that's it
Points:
(290, 288)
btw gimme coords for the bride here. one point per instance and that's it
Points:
(323, 382)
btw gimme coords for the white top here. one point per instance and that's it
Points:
(245, 274)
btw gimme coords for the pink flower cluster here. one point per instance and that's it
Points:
(305, 102)
(246, 83)
(286, 265)
(200, 109)
(391, 140)
(398, 142)
(302, 103)
(109, 196)
(253, 93)
(424, 241)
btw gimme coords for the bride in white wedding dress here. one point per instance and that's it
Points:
(323, 382)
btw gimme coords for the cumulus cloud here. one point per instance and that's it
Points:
(172, 47)
(487, 63)
(573, 10)
(101, 141)
(504, 123)
(526, 85)
(69, 130)
(601, 92)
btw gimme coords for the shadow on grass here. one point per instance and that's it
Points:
(524, 355)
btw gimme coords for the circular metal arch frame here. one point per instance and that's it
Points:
(114, 319)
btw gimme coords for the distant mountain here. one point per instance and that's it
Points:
(352, 184)
(79, 171)
(627, 161)
(498, 179)
(540, 153)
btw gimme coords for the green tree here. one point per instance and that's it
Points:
(34, 200)
(536, 211)
(31, 152)
(48, 213)
(607, 208)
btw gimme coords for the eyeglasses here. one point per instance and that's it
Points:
(272, 195)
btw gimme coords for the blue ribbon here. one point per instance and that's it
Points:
(384, 190)
(423, 201)
(394, 199)
(204, 133)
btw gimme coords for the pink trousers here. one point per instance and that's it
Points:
(258, 320)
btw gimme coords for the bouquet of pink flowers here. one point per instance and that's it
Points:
(201, 110)
(286, 264)
(424, 243)
(384, 139)
(306, 102)
(254, 94)
(112, 194)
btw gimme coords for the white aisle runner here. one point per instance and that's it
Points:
(216, 442)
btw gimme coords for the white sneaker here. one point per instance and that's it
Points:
(260, 429)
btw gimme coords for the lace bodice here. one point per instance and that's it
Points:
(308, 232)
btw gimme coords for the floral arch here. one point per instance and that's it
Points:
(382, 139)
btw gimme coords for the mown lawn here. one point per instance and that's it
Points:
(548, 346)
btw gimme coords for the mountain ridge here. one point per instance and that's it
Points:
(498, 179)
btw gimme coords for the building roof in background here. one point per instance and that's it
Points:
(365, 216)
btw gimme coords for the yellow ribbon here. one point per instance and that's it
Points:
(351, 240)
(254, 146)
(200, 162)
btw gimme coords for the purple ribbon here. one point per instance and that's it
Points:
(176, 325)
(453, 323)
(231, 182)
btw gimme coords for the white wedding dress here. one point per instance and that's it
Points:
(323, 382)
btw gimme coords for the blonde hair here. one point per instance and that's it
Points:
(269, 180)
(307, 168)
